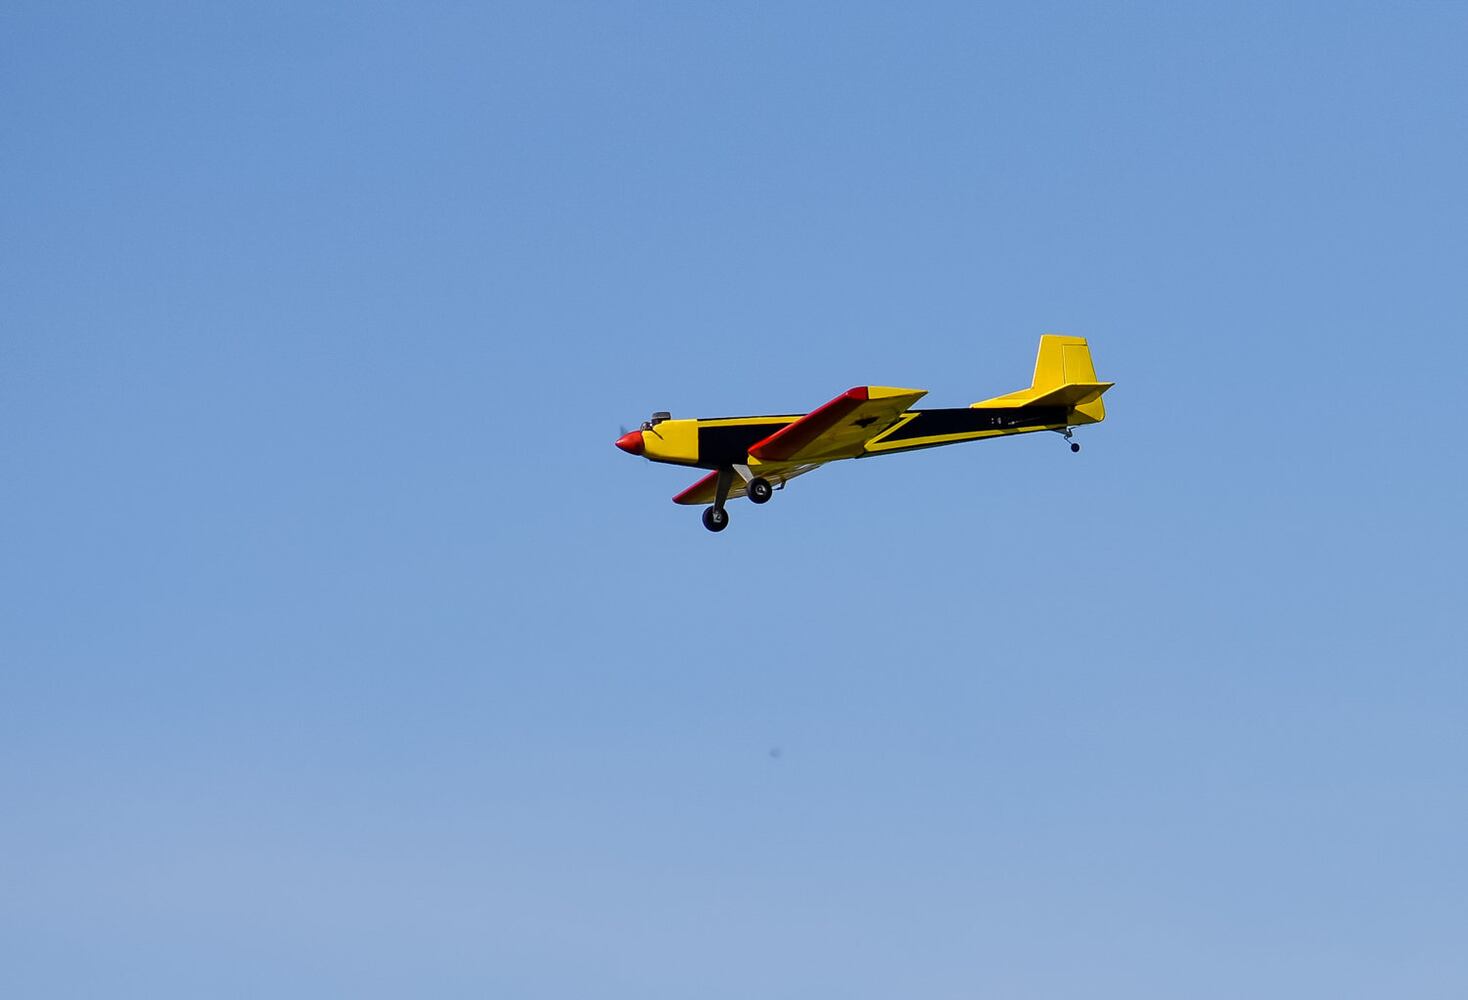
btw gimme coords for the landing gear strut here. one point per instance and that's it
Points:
(716, 518)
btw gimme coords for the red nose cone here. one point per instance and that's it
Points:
(632, 443)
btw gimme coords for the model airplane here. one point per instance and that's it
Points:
(753, 456)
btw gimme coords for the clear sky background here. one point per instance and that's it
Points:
(341, 654)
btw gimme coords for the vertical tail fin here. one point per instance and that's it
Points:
(1064, 375)
(1066, 361)
(1062, 361)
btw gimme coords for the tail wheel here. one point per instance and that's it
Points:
(759, 490)
(715, 518)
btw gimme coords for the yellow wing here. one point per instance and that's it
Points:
(702, 492)
(839, 429)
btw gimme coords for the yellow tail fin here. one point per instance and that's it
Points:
(1064, 376)
(1062, 361)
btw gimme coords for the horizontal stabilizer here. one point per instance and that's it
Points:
(1064, 376)
(1075, 394)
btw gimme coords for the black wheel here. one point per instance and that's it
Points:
(715, 518)
(1074, 446)
(759, 490)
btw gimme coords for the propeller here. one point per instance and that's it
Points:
(650, 425)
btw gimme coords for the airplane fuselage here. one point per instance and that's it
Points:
(725, 441)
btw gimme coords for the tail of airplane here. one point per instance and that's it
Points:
(1064, 376)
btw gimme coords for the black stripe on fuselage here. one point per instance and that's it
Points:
(967, 420)
(729, 444)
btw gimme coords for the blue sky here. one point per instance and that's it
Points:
(342, 654)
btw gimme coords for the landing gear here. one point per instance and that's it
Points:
(716, 518)
(757, 488)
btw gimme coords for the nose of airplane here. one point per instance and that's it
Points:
(632, 443)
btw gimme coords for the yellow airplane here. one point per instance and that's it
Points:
(754, 456)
